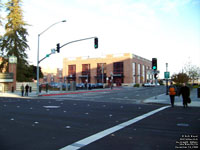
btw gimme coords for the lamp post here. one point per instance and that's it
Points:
(38, 52)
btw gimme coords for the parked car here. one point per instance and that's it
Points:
(92, 85)
(80, 85)
(53, 85)
(43, 85)
(147, 85)
(99, 85)
(150, 85)
(155, 84)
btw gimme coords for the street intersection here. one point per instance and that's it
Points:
(109, 120)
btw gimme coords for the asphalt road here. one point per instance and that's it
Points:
(59, 122)
(123, 95)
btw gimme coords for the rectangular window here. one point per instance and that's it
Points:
(85, 69)
(133, 72)
(118, 68)
(139, 74)
(143, 73)
(72, 70)
(101, 72)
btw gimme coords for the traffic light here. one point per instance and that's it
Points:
(95, 42)
(58, 48)
(154, 63)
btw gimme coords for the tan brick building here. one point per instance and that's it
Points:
(52, 75)
(121, 69)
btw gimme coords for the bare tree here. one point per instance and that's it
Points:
(192, 71)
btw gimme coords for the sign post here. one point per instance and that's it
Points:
(167, 75)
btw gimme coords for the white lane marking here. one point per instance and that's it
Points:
(51, 107)
(79, 144)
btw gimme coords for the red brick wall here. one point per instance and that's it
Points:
(126, 58)
(12, 69)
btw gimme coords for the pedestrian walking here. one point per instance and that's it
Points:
(172, 93)
(26, 88)
(111, 84)
(185, 92)
(22, 89)
(47, 87)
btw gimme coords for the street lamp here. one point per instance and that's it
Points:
(38, 52)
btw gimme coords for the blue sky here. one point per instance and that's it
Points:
(166, 29)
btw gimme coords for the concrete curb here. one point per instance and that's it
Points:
(53, 93)
(78, 92)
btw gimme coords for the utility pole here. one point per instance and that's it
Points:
(166, 79)
(102, 74)
(87, 76)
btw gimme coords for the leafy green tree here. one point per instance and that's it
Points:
(2, 63)
(14, 41)
(32, 70)
(1, 6)
(180, 78)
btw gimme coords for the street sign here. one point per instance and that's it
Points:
(167, 75)
(53, 51)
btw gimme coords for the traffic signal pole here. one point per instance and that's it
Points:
(52, 52)
(156, 80)
(58, 50)
(77, 41)
(155, 72)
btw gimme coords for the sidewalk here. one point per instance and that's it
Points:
(17, 94)
(165, 99)
(53, 93)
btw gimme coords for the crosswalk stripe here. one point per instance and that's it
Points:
(79, 144)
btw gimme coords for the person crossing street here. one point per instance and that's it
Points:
(185, 92)
(172, 93)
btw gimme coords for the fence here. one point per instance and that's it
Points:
(30, 84)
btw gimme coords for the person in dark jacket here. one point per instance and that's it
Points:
(185, 92)
(26, 90)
